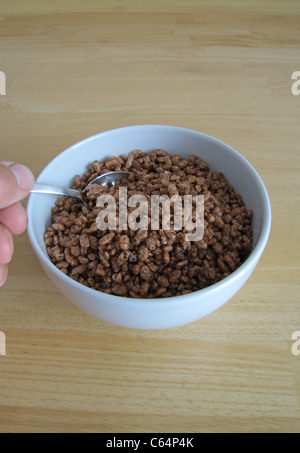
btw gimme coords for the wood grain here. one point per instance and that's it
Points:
(77, 68)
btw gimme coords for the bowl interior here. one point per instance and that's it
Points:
(219, 157)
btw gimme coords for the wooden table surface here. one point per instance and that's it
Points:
(76, 68)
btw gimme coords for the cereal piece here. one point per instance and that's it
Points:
(143, 253)
(124, 242)
(107, 238)
(118, 289)
(77, 270)
(58, 227)
(84, 240)
(100, 271)
(145, 273)
(174, 276)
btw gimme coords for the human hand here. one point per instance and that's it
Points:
(16, 182)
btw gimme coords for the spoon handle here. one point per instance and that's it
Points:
(46, 188)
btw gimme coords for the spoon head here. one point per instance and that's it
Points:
(110, 178)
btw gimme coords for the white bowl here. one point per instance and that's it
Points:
(153, 313)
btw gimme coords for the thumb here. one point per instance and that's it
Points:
(16, 181)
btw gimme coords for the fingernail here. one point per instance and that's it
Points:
(23, 175)
(8, 249)
(3, 274)
(7, 232)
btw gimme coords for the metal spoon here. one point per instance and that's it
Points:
(108, 179)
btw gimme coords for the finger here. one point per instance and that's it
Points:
(3, 274)
(14, 218)
(16, 181)
(6, 245)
